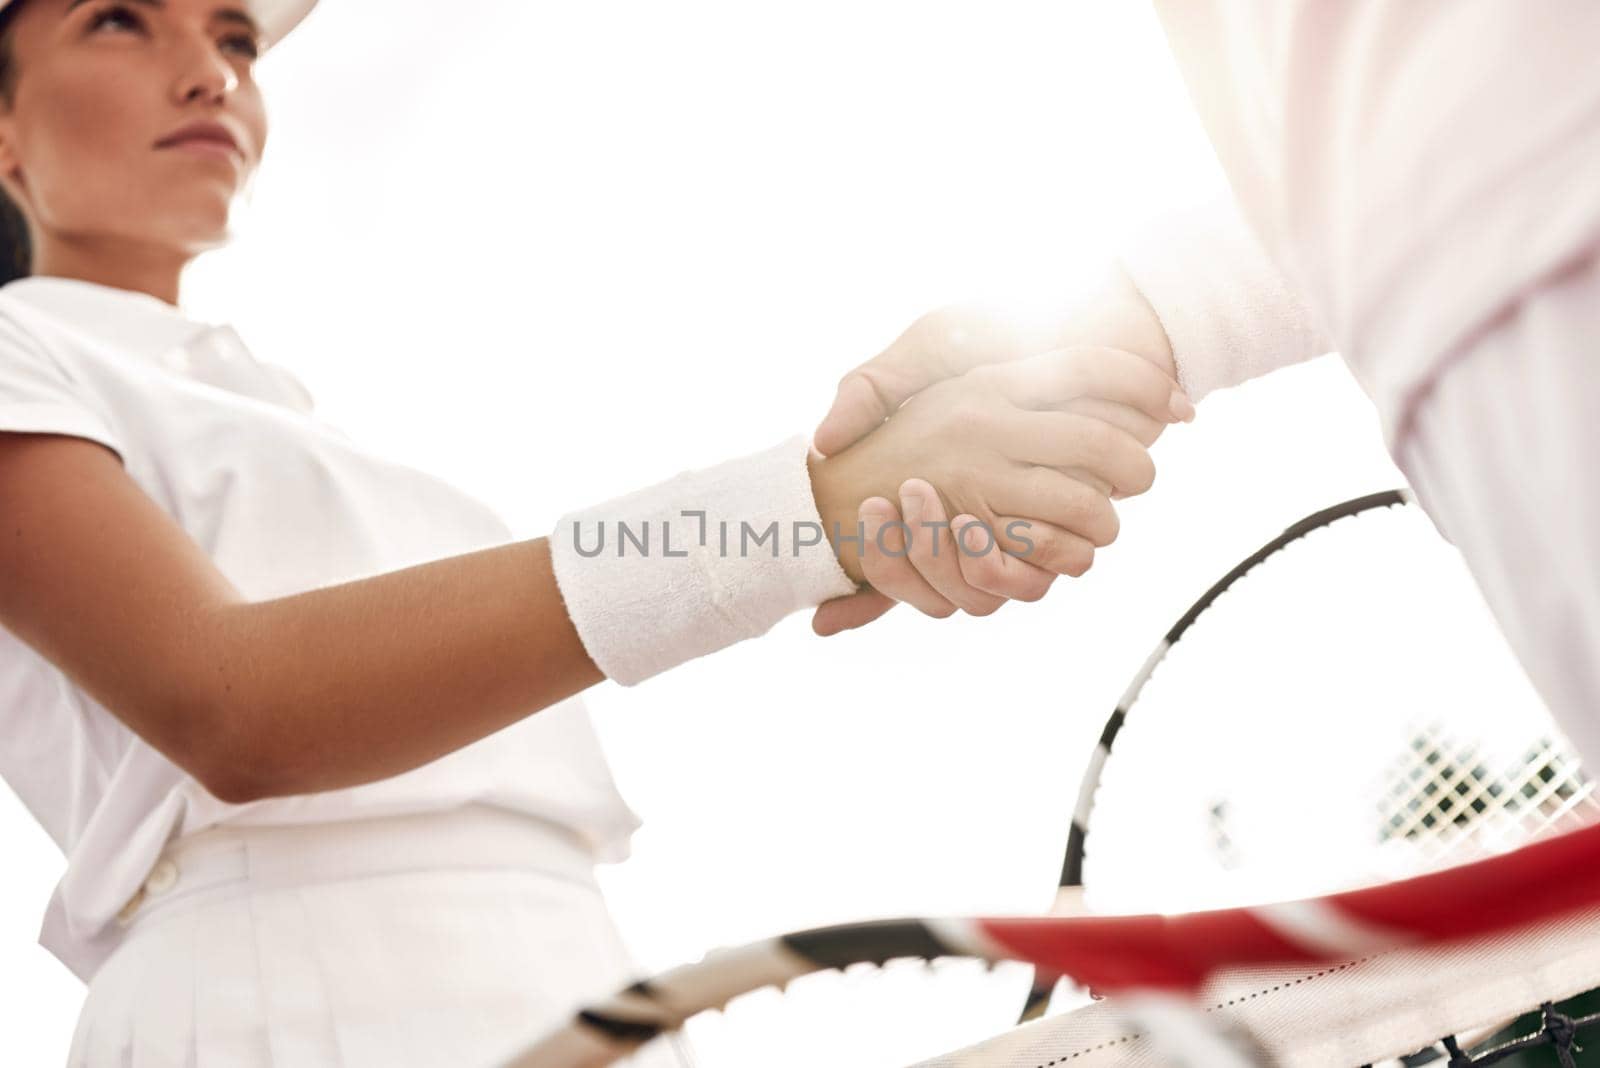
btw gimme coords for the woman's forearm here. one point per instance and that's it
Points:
(360, 681)
(363, 680)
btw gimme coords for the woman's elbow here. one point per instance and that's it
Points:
(236, 786)
(230, 774)
(232, 758)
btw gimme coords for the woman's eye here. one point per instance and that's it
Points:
(246, 45)
(118, 15)
(125, 17)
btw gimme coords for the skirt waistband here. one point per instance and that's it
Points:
(225, 858)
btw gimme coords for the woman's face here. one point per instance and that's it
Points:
(101, 87)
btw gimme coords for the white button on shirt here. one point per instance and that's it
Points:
(281, 502)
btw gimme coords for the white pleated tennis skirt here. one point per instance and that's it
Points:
(444, 939)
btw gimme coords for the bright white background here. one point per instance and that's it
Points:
(554, 252)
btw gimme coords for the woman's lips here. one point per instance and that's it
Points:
(207, 147)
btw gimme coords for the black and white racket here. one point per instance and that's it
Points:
(1338, 709)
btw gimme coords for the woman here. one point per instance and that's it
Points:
(273, 694)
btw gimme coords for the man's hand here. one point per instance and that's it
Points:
(997, 446)
(953, 342)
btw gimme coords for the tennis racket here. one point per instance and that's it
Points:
(1337, 709)
(1151, 959)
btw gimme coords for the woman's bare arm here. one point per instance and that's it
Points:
(374, 693)
(315, 691)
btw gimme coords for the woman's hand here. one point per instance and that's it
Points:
(997, 446)
(946, 344)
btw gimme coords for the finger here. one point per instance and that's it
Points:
(1044, 545)
(933, 550)
(866, 397)
(1141, 426)
(886, 563)
(1135, 422)
(1053, 497)
(1066, 440)
(848, 613)
(1094, 482)
(987, 568)
(940, 345)
(1052, 379)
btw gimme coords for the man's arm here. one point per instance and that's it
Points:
(1225, 311)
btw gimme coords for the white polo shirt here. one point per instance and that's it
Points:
(282, 502)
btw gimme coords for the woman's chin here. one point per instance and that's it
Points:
(200, 231)
(211, 239)
(189, 240)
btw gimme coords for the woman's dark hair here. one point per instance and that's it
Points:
(16, 247)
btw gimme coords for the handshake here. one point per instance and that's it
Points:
(974, 461)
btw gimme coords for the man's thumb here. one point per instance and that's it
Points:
(858, 409)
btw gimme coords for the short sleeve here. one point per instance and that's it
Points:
(39, 396)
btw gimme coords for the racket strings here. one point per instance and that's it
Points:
(1451, 798)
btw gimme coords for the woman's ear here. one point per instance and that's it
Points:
(10, 164)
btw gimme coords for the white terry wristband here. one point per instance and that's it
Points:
(1229, 313)
(657, 593)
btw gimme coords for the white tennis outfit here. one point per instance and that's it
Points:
(1415, 186)
(436, 917)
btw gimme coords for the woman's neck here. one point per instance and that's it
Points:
(138, 268)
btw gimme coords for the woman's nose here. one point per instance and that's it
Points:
(203, 71)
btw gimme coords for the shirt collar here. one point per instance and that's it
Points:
(133, 322)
